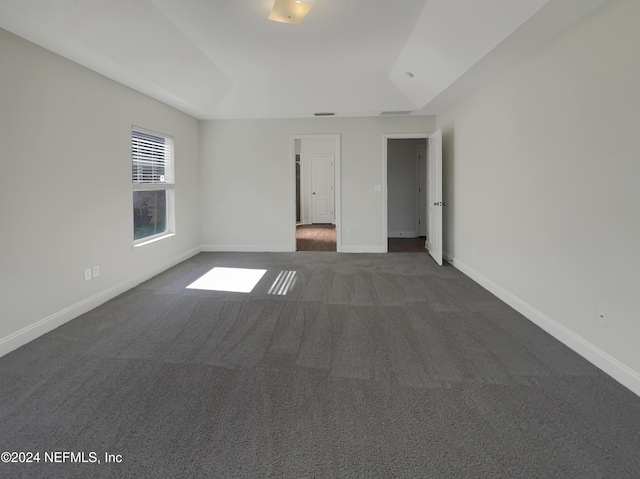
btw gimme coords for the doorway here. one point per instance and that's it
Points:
(406, 182)
(316, 160)
(406, 188)
(429, 205)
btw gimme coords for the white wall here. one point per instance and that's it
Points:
(250, 189)
(402, 187)
(543, 187)
(66, 193)
(308, 148)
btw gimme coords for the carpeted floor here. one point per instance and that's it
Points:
(333, 366)
(316, 237)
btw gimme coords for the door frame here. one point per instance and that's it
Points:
(337, 171)
(385, 159)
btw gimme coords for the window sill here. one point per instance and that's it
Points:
(153, 240)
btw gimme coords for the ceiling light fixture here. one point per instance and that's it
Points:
(289, 11)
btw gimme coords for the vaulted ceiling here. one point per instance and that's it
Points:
(224, 59)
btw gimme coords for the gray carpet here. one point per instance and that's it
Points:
(371, 366)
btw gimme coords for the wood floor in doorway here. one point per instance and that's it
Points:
(407, 245)
(316, 237)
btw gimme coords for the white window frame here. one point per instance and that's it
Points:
(153, 184)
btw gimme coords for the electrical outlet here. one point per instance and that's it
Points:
(96, 271)
(87, 274)
(349, 232)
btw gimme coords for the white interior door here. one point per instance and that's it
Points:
(434, 196)
(322, 189)
(422, 190)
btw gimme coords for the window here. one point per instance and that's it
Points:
(152, 175)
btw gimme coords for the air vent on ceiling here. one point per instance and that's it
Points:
(394, 113)
(324, 114)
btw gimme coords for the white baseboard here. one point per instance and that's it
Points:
(619, 371)
(249, 248)
(402, 234)
(51, 322)
(363, 249)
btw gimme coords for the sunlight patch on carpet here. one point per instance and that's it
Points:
(234, 280)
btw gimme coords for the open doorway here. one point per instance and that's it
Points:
(430, 204)
(316, 160)
(406, 195)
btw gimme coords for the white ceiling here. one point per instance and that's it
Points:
(224, 59)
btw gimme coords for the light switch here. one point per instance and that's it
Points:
(377, 188)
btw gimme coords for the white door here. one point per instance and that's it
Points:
(434, 196)
(322, 189)
(422, 190)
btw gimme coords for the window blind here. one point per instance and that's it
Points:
(152, 158)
